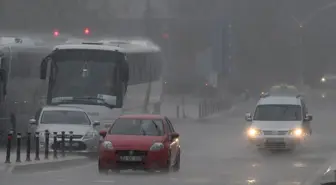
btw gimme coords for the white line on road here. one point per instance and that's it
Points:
(104, 181)
(197, 180)
(65, 169)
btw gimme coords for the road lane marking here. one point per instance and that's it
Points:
(65, 169)
(104, 181)
(288, 183)
(197, 180)
(299, 165)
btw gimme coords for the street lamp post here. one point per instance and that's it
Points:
(301, 64)
(302, 25)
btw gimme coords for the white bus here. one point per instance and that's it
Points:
(105, 78)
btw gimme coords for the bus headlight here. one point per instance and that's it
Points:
(253, 132)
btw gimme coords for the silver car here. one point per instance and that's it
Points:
(279, 122)
(68, 119)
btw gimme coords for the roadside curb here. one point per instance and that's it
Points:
(55, 164)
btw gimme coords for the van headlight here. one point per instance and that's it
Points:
(298, 132)
(156, 147)
(253, 132)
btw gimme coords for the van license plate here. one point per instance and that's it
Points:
(272, 140)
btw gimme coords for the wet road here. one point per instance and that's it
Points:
(214, 152)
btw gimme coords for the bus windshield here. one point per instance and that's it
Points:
(88, 73)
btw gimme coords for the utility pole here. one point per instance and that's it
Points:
(148, 25)
(301, 62)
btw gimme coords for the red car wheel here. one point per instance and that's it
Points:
(102, 170)
(176, 166)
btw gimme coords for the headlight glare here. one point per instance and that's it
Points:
(297, 132)
(156, 146)
(252, 132)
(323, 79)
(108, 145)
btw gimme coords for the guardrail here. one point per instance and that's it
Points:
(37, 145)
(198, 109)
(209, 107)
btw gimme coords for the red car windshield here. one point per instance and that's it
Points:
(146, 127)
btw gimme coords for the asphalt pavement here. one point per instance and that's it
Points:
(214, 151)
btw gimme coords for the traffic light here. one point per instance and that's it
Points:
(165, 36)
(56, 33)
(86, 31)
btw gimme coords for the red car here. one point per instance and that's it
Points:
(140, 142)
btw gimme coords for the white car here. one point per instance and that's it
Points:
(278, 122)
(60, 118)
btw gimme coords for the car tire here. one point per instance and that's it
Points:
(169, 166)
(177, 164)
(102, 170)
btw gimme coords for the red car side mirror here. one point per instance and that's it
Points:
(102, 133)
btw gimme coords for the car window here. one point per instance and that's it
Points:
(147, 127)
(64, 117)
(278, 113)
(170, 126)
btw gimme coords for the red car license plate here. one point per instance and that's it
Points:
(130, 158)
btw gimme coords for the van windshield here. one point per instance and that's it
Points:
(278, 113)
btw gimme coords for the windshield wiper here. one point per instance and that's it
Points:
(156, 127)
(143, 131)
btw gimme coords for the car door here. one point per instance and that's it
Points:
(174, 144)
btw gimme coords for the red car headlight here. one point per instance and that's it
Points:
(107, 145)
(156, 147)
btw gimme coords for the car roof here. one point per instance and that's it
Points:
(65, 108)
(141, 116)
(280, 100)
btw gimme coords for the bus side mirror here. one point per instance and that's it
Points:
(43, 69)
